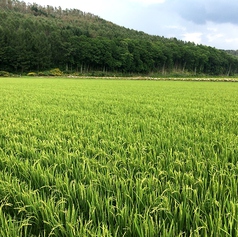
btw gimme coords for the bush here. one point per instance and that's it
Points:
(32, 74)
(56, 72)
(4, 74)
(45, 73)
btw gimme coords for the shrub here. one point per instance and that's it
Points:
(32, 74)
(4, 74)
(45, 73)
(56, 72)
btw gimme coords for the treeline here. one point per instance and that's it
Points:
(37, 38)
(232, 52)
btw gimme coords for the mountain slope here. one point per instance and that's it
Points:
(35, 38)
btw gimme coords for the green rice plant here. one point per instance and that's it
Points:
(118, 158)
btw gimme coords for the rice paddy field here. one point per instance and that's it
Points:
(119, 158)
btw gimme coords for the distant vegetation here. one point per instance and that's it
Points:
(232, 52)
(34, 38)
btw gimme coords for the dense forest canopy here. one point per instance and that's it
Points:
(232, 52)
(37, 38)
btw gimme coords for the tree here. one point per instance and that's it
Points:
(33, 37)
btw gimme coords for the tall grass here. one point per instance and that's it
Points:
(118, 158)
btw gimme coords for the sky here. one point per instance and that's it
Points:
(209, 22)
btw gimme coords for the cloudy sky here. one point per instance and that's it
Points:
(208, 22)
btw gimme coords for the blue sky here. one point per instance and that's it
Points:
(208, 22)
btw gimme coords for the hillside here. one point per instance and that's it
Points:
(36, 38)
(232, 52)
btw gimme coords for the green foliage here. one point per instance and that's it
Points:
(4, 74)
(46, 37)
(32, 74)
(118, 158)
(45, 73)
(56, 72)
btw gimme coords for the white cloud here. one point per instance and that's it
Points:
(176, 27)
(233, 40)
(214, 37)
(223, 36)
(148, 2)
(195, 37)
(211, 28)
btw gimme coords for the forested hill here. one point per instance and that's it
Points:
(232, 52)
(37, 38)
